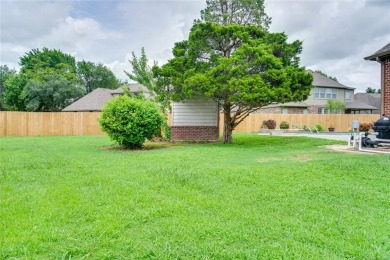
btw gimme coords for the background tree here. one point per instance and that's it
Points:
(243, 12)
(335, 106)
(145, 75)
(142, 72)
(55, 60)
(242, 67)
(93, 76)
(12, 98)
(5, 72)
(47, 81)
(52, 94)
(373, 90)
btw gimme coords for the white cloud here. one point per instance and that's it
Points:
(22, 21)
(336, 34)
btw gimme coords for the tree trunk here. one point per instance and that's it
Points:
(227, 126)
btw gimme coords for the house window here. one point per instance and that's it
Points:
(348, 94)
(323, 110)
(325, 93)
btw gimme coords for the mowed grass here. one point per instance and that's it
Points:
(263, 197)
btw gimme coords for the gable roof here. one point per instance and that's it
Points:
(359, 105)
(288, 104)
(369, 98)
(95, 100)
(320, 80)
(384, 51)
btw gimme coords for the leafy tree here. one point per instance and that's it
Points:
(241, 67)
(95, 76)
(44, 83)
(52, 94)
(373, 90)
(131, 121)
(145, 75)
(5, 72)
(142, 72)
(56, 60)
(243, 12)
(324, 74)
(12, 98)
(335, 106)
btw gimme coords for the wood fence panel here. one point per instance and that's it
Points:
(86, 123)
(341, 122)
(3, 124)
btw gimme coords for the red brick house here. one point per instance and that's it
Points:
(383, 57)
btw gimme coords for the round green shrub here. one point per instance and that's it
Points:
(284, 125)
(130, 121)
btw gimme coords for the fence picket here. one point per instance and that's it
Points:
(86, 123)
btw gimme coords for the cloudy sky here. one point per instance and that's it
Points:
(336, 34)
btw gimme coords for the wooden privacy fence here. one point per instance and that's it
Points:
(341, 122)
(49, 123)
(86, 123)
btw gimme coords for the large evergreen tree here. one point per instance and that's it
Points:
(243, 12)
(242, 67)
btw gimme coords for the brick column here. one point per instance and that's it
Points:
(386, 85)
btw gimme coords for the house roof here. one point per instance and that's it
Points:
(320, 80)
(95, 100)
(288, 104)
(359, 105)
(369, 98)
(384, 51)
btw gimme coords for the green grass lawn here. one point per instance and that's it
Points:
(261, 197)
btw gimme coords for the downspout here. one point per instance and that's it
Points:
(382, 85)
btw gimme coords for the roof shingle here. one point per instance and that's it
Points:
(383, 52)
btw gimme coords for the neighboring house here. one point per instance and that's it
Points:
(95, 100)
(383, 57)
(373, 99)
(324, 89)
(195, 120)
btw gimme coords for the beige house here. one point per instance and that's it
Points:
(324, 89)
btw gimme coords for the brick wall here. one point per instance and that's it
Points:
(314, 109)
(295, 110)
(194, 133)
(386, 86)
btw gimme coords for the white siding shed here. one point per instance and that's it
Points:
(195, 113)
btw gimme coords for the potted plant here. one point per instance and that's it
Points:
(331, 128)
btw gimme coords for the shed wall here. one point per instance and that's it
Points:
(195, 113)
(195, 120)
